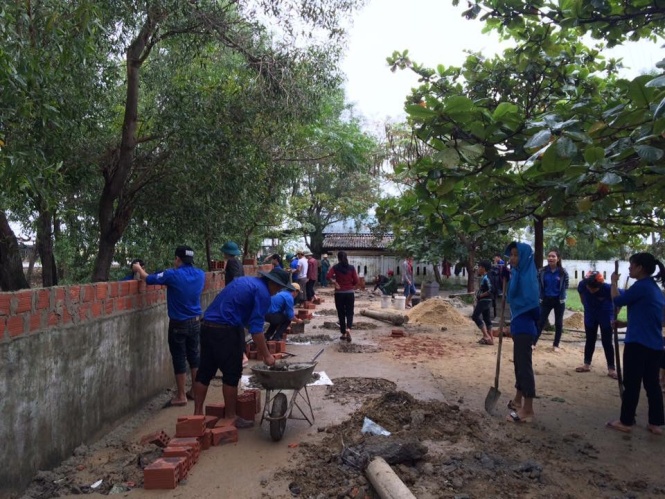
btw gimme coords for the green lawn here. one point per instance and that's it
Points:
(573, 303)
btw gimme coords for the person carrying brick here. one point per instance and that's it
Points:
(243, 303)
(281, 313)
(184, 285)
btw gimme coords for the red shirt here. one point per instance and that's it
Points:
(345, 281)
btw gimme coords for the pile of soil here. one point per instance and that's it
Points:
(345, 389)
(356, 348)
(575, 321)
(437, 311)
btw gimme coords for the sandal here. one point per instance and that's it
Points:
(513, 406)
(612, 374)
(583, 369)
(348, 336)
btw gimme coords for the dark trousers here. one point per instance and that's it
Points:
(606, 340)
(482, 308)
(310, 289)
(552, 303)
(641, 365)
(184, 344)
(344, 304)
(525, 380)
(278, 324)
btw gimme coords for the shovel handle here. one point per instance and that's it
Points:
(317, 355)
(615, 334)
(501, 323)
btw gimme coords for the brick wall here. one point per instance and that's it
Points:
(74, 362)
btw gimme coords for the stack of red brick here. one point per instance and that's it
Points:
(276, 348)
(194, 434)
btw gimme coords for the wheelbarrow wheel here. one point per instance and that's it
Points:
(278, 412)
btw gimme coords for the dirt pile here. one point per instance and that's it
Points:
(575, 321)
(437, 311)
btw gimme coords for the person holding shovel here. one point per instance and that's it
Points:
(523, 291)
(643, 345)
(596, 297)
(481, 310)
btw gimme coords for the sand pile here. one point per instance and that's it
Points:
(575, 321)
(436, 311)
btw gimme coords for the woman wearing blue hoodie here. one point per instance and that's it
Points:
(522, 296)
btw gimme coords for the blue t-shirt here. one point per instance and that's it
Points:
(282, 303)
(598, 306)
(294, 267)
(551, 282)
(184, 286)
(526, 323)
(244, 302)
(645, 302)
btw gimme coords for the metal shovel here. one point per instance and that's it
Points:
(493, 395)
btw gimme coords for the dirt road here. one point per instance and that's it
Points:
(427, 388)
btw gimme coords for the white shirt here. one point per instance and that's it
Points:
(302, 268)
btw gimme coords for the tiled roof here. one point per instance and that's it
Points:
(356, 241)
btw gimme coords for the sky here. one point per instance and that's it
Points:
(435, 33)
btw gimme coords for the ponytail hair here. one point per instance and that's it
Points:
(649, 263)
(343, 263)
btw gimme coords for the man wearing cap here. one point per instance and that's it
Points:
(243, 303)
(184, 285)
(281, 313)
(302, 273)
(232, 266)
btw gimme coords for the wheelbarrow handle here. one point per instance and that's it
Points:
(317, 355)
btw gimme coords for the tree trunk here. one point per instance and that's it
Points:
(11, 265)
(45, 247)
(437, 274)
(208, 255)
(114, 210)
(470, 264)
(538, 228)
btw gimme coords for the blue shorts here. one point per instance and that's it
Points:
(409, 290)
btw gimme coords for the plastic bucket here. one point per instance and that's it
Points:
(400, 302)
(385, 301)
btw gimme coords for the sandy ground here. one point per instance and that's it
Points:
(428, 389)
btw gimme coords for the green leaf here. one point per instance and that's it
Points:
(458, 104)
(649, 153)
(657, 82)
(539, 140)
(611, 179)
(565, 147)
(419, 112)
(593, 155)
(504, 109)
(551, 162)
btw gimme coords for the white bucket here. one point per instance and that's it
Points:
(400, 302)
(385, 301)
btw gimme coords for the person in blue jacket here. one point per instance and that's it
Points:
(553, 284)
(184, 285)
(242, 304)
(596, 297)
(643, 345)
(522, 295)
(280, 314)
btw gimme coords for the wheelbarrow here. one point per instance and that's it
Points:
(278, 407)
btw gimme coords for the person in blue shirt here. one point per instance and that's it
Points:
(596, 297)
(293, 266)
(483, 304)
(242, 304)
(522, 294)
(184, 285)
(232, 266)
(281, 313)
(553, 281)
(643, 345)
(132, 274)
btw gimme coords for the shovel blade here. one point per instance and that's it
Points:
(492, 399)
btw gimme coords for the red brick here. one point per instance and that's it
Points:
(87, 293)
(133, 287)
(272, 346)
(84, 309)
(252, 354)
(96, 309)
(222, 422)
(35, 321)
(159, 438)
(123, 288)
(246, 408)
(211, 421)
(4, 303)
(59, 296)
(119, 304)
(108, 307)
(224, 435)
(216, 410)
(257, 398)
(281, 346)
(114, 289)
(15, 325)
(101, 290)
(24, 301)
(43, 299)
(206, 439)
(53, 319)
(190, 426)
(75, 294)
(162, 474)
(186, 452)
(66, 316)
(130, 302)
